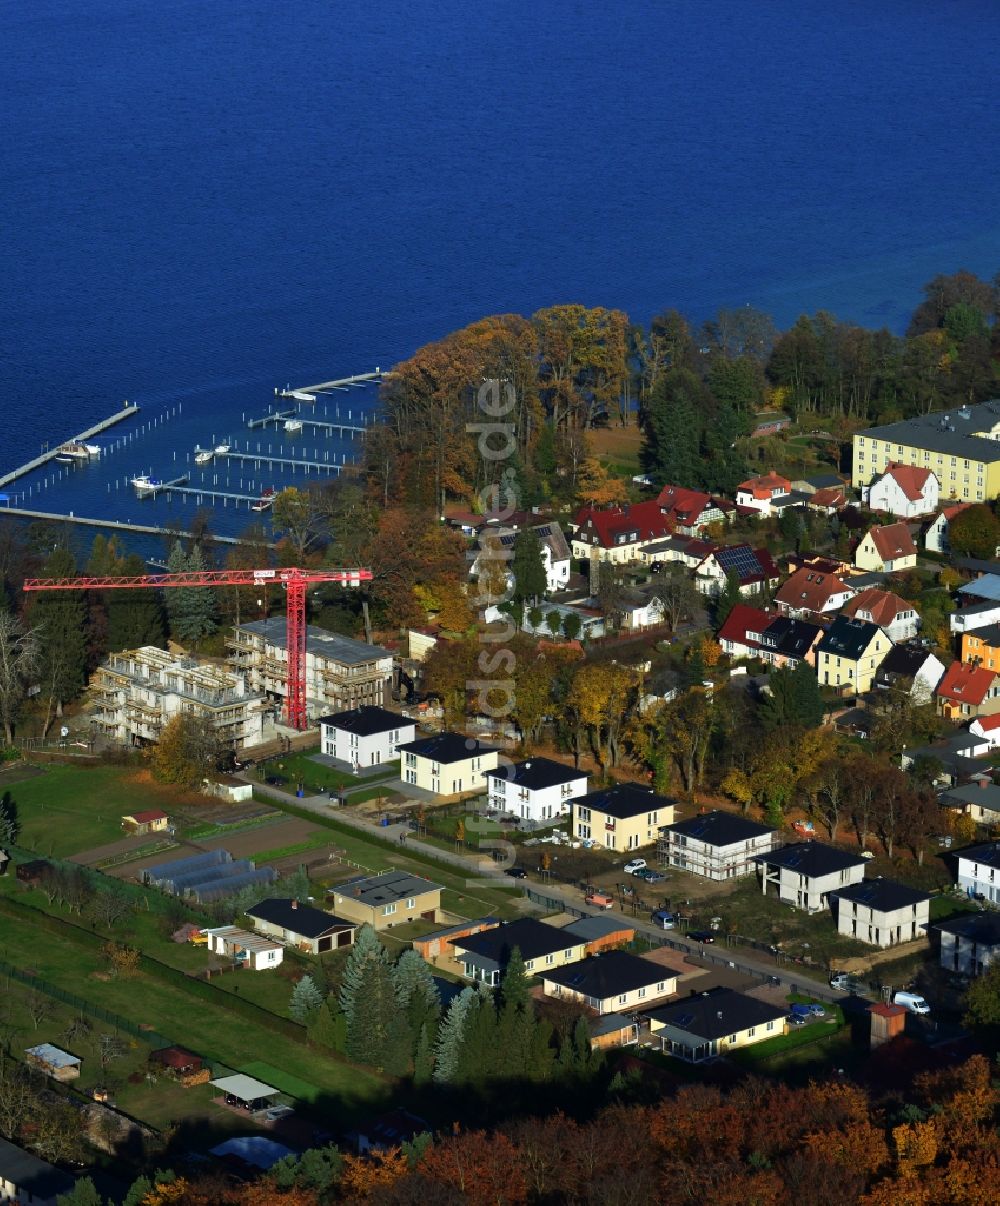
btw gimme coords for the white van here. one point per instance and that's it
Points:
(912, 1001)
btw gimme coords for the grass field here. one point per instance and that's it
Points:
(301, 767)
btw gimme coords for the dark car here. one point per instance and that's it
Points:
(701, 935)
(651, 876)
(516, 873)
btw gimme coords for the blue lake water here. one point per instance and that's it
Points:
(206, 200)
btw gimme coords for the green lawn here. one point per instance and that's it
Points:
(302, 767)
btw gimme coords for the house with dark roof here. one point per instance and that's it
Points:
(365, 736)
(906, 491)
(786, 642)
(623, 817)
(753, 569)
(805, 873)
(308, 929)
(898, 618)
(718, 845)
(886, 550)
(385, 900)
(810, 592)
(970, 943)
(849, 655)
(601, 933)
(966, 690)
(979, 872)
(979, 799)
(707, 1024)
(484, 956)
(881, 912)
(25, 1178)
(536, 790)
(911, 669)
(447, 764)
(981, 647)
(610, 983)
(497, 542)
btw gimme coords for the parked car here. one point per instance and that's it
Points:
(651, 876)
(599, 900)
(516, 873)
(663, 919)
(801, 1011)
(912, 1001)
(701, 935)
(796, 1019)
(633, 865)
(817, 1010)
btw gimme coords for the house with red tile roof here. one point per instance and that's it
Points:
(886, 550)
(756, 494)
(897, 617)
(967, 691)
(691, 511)
(828, 501)
(936, 537)
(616, 533)
(741, 632)
(906, 491)
(810, 592)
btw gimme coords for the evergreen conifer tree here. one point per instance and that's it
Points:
(451, 1033)
(528, 566)
(135, 617)
(423, 1057)
(191, 609)
(306, 1000)
(481, 1053)
(729, 596)
(366, 948)
(61, 618)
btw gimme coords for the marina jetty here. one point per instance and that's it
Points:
(126, 412)
(118, 525)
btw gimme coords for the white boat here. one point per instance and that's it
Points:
(300, 395)
(144, 484)
(202, 456)
(221, 449)
(93, 449)
(293, 425)
(266, 499)
(72, 451)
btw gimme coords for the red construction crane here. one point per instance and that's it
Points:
(294, 581)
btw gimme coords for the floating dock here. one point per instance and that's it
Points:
(265, 458)
(281, 416)
(127, 411)
(307, 393)
(117, 524)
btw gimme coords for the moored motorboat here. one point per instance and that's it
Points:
(202, 456)
(293, 425)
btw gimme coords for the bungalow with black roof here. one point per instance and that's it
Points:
(610, 982)
(708, 1024)
(385, 900)
(25, 1178)
(970, 944)
(365, 736)
(300, 925)
(849, 654)
(539, 789)
(623, 817)
(447, 764)
(881, 912)
(485, 956)
(807, 872)
(718, 845)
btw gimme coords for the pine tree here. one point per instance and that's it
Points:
(448, 1048)
(528, 567)
(328, 1028)
(84, 1193)
(377, 1032)
(423, 1058)
(481, 1047)
(416, 993)
(138, 1191)
(517, 1017)
(670, 452)
(134, 617)
(61, 620)
(306, 1000)
(191, 609)
(366, 948)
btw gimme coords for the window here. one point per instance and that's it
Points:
(388, 909)
(549, 960)
(770, 1026)
(642, 993)
(661, 987)
(752, 1031)
(411, 902)
(569, 953)
(622, 999)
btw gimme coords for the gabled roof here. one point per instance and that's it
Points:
(985, 796)
(965, 683)
(985, 587)
(988, 854)
(848, 638)
(903, 661)
(715, 1014)
(829, 496)
(791, 638)
(810, 859)
(883, 895)
(749, 565)
(387, 888)
(610, 974)
(532, 938)
(987, 724)
(949, 513)
(684, 506)
(447, 747)
(765, 485)
(881, 606)
(892, 541)
(981, 928)
(27, 1173)
(299, 919)
(146, 817)
(624, 800)
(641, 521)
(719, 828)
(366, 720)
(537, 773)
(811, 590)
(744, 625)
(910, 479)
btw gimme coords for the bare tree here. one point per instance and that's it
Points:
(17, 1095)
(38, 1006)
(19, 656)
(110, 1048)
(678, 595)
(110, 906)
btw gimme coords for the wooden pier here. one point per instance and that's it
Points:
(275, 417)
(117, 524)
(326, 387)
(127, 411)
(265, 458)
(327, 425)
(155, 488)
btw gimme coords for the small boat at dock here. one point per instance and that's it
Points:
(293, 425)
(203, 456)
(144, 484)
(73, 450)
(266, 499)
(300, 395)
(220, 449)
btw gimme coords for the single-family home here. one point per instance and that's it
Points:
(497, 543)
(149, 820)
(981, 647)
(978, 799)
(615, 533)
(365, 736)
(437, 945)
(691, 511)
(688, 551)
(912, 669)
(810, 592)
(897, 617)
(447, 763)
(903, 490)
(299, 925)
(484, 956)
(978, 604)
(757, 494)
(979, 872)
(881, 912)
(718, 845)
(610, 983)
(849, 653)
(936, 537)
(786, 642)
(707, 1024)
(53, 1061)
(245, 949)
(966, 690)
(24, 1179)
(385, 900)
(987, 729)
(807, 872)
(538, 789)
(886, 550)
(970, 943)
(742, 629)
(828, 500)
(623, 817)
(601, 933)
(753, 569)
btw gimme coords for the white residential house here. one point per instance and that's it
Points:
(988, 728)
(970, 943)
(758, 494)
(807, 872)
(936, 539)
(537, 790)
(881, 912)
(903, 490)
(365, 736)
(447, 764)
(498, 542)
(718, 845)
(28, 1181)
(898, 618)
(979, 872)
(912, 669)
(248, 950)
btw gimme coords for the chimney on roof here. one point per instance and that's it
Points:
(295, 904)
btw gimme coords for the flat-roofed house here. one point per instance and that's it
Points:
(707, 1024)
(805, 873)
(979, 872)
(881, 912)
(624, 817)
(611, 982)
(53, 1061)
(392, 898)
(970, 943)
(538, 789)
(447, 764)
(246, 949)
(365, 736)
(718, 845)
